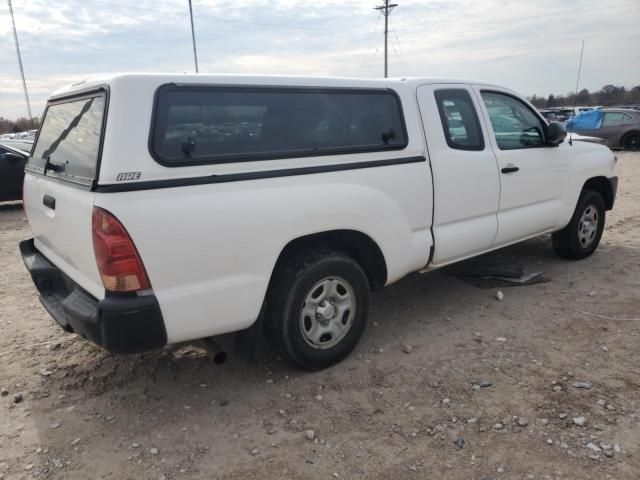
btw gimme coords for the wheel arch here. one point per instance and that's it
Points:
(603, 187)
(357, 245)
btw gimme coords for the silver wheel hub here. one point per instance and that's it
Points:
(327, 313)
(588, 226)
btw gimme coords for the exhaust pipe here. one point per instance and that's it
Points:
(214, 350)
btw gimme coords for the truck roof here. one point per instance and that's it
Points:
(241, 79)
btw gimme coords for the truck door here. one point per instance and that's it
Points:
(465, 172)
(532, 173)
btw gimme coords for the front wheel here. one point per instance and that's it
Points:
(317, 308)
(581, 237)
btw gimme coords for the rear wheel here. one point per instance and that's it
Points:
(631, 141)
(317, 308)
(581, 237)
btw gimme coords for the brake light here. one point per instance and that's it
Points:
(118, 261)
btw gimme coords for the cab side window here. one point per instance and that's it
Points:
(459, 119)
(612, 118)
(514, 124)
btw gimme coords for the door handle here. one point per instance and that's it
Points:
(511, 168)
(49, 201)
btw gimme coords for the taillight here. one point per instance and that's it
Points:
(118, 261)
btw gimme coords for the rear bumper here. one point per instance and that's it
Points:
(120, 324)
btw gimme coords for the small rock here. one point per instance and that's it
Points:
(564, 445)
(17, 398)
(549, 441)
(319, 398)
(610, 407)
(446, 401)
(54, 425)
(75, 442)
(600, 403)
(557, 388)
(269, 381)
(4, 392)
(46, 372)
(593, 447)
(310, 434)
(498, 426)
(499, 295)
(472, 420)
(617, 449)
(580, 421)
(482, 383)
(585, 385)
(608, 453)
(501, 339)
(522, 422)
(135, 445)
(407, 349)
(29, 467)
(282, 413)
(154, 451)
(335, 475)
(255, 451)
(562, 416)
(500, 469)
(459, 442)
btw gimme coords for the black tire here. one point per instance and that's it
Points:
(631, 141)
(292, 284)
(575, 241)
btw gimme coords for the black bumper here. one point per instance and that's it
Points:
(613, 182)
(118, 323)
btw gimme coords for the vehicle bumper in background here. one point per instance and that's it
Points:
(613, 181)
(120, 324)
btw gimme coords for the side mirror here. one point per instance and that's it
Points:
(556, 133)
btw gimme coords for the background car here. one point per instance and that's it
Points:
(619, 128)
(13, 157)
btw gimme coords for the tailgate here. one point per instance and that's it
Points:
(57, 187)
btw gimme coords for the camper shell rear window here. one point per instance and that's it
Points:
(195, 125)
(69, 140)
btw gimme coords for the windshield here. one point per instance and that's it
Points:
(69, 139)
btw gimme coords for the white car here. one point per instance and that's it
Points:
(167, 208)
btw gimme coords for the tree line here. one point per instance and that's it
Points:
(607, 96)
(19, 125)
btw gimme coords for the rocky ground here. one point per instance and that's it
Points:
(448, 382)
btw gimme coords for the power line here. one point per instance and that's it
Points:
(24, 82)
(386, 10)
(193, 37)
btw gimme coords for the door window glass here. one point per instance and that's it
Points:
(459, 119)
(611, 118)
(514, 124)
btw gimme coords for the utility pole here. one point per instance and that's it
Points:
(24, 82)
(193, 36)
(386, 10)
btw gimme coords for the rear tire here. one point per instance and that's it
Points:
(581, 236)
(317, 308)
(631, 141)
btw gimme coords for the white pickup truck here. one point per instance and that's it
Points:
(167, 208)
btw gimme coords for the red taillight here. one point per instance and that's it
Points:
(118, 261)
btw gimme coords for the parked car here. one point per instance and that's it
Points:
(12, 163)
(290, 201)
(618, 127)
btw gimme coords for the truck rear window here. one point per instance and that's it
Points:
(196, 125)
(69, 140)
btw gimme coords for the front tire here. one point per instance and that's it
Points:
(581, 237)
(317, 308)
(631, 141)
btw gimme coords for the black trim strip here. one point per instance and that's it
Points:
(239, 177)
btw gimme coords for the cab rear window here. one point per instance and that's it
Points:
(195, 125)
(68, 144)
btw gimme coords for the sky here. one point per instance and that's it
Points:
(531, 47)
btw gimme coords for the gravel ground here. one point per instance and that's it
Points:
(383, 413)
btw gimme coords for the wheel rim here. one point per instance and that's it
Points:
(588, 226)
(327, 313)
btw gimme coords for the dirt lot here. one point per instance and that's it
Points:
(382, 413)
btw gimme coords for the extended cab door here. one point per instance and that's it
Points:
(532, 174)
(465, 173)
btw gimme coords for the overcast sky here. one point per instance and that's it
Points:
(532, 47)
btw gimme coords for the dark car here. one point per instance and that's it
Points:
(12, 161)
(620, 128)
